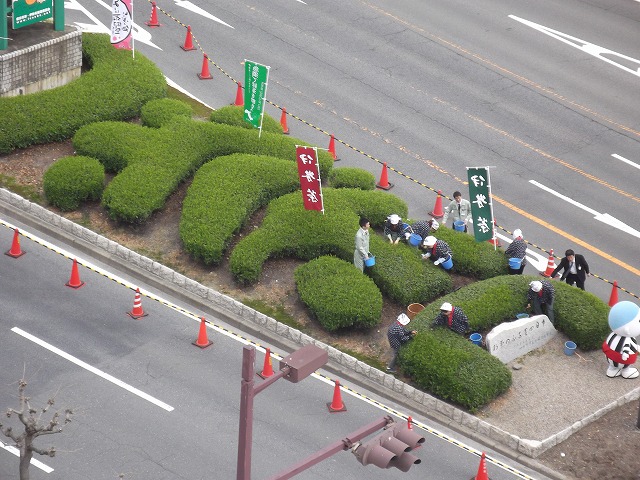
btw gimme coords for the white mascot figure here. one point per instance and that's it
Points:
(621, 347)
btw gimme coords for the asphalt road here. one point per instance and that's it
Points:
(150, 405)
(545, 93)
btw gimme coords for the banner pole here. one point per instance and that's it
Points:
(493, 224)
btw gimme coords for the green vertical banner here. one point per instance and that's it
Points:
(256, 77)
(481, 206)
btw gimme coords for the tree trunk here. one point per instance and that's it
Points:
(25, 460)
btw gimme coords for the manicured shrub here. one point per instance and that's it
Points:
(219, 201)
(157, 113)
(450, 366)
(234, 115)
(72, 180)
(56, 114)
(375, 205)
(350, 177)
(337, 294)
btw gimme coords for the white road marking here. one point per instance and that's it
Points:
(587, 47)
(34, 462)
(92, 369)
(195, 9)
(622, 159)
(602, 217)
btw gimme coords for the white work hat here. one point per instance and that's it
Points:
(430, 241)
(446, 306)
(517, 233)
(394, 219)
(536, 285)
(403, 319)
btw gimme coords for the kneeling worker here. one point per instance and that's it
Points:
(452, 317)
(437, 250)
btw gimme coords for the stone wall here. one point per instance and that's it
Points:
(48, 64)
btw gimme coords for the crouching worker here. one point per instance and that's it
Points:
(452, 317)
(395, 230)
(541, 293)
(425, 227)
(398, 336)
(437, 250)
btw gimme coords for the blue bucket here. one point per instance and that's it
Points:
(515, 263)
(458, 225)
(370, 262)
(569, 347)
(476, 338)
(415, 239)
(448, 263)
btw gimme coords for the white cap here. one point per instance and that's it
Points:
(446, 306)
(403, 319)
(434, 225)
(430, 241)
(536, 285)
(394, 219)
(517, 233)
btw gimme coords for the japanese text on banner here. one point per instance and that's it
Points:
(480, 198)
(122, 24)
(256, 77)
(309, 173)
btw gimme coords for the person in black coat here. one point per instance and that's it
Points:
(575, 268)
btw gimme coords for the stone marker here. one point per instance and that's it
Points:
(511, 340)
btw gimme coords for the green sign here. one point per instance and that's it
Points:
(26, 12)
(481, 207)
(256, 77)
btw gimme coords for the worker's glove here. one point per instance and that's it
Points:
(425, 256)
(407, 235)
(439, 261)
(390, 239)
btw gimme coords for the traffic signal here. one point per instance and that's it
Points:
(390, 448)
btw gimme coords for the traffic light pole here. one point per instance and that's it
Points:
(333, 448)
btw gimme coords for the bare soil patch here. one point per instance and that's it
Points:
(608, 448)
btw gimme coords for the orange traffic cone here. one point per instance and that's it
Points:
(613, 299)
(336, 405)
(332, 149)
(267, 370)
(137, 311)
(153, 22)
(15, 251)
(205, 74)
(202, 341)
(409, 423)
(239, 96)
(188, 41)
(482, 469)
(438, 211)
(384, 179)
(495, 240)
(74, 281)
(283, 122)
(551, 265)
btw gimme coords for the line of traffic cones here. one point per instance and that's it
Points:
(188, 41)
(332, 149)
(336, 405)
(202, 341)
(551, 265)
(482, 469)
(153, 22)
(15, 251)
(74, 280)
(384, 179)
(239, 96)
(205, 74)
(267, 369)
(137, 311)
(283, 121)
(438, 211)
(613, 298)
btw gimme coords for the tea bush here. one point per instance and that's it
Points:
(157, 113)
(234, 115)
(349, 177)
(72, 180)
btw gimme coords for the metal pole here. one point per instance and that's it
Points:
(245, 433)
(58, 15)
(638, 422)
(4, 31)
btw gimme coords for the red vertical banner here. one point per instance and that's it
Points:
(309, 173)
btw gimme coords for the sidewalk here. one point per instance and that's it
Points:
(554, 395)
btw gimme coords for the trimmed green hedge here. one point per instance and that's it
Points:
(219, 203)
(173, 153)
(116, 88)
(157, 113)
(234, 115)
(450, 366)
(351, 177)
(338, 295)
(72, 180)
